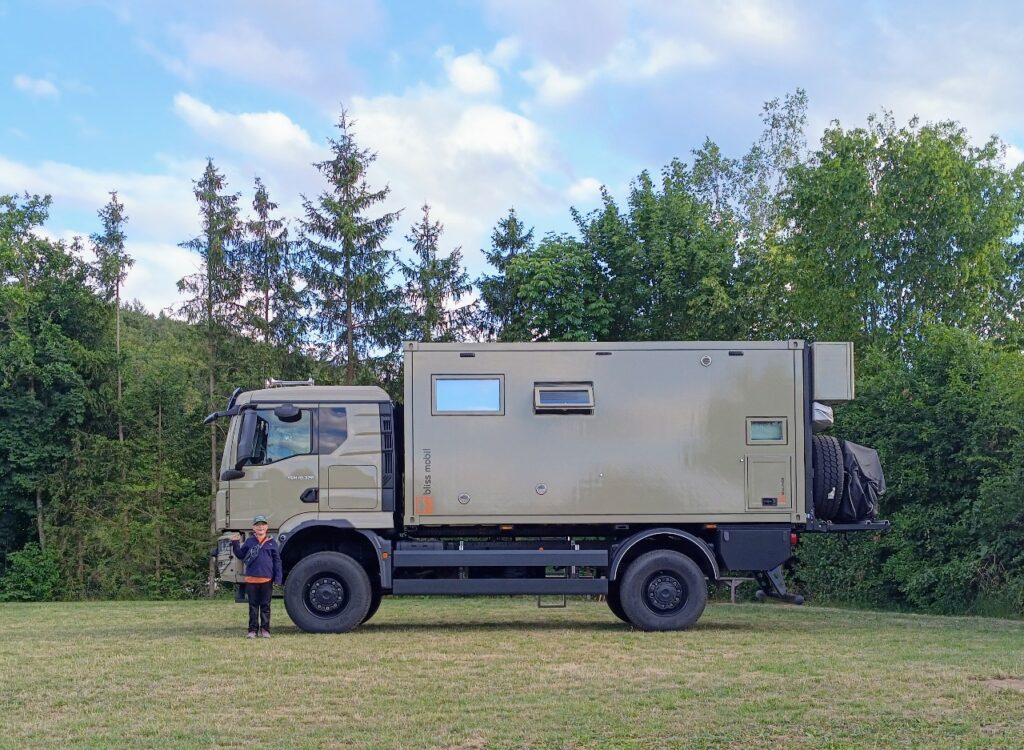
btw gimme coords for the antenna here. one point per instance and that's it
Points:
(274, 383)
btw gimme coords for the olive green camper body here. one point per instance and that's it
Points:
(668, 438)
(632, 470)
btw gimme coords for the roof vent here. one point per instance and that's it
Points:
(274, 383)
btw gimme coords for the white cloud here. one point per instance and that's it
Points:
(244, 51)
(159, 206)
(153, 278)
(469, 73)
(760, 23)
(505, 52)
(268, 135)
(553, 85)
(633, 59)
(633, 42)
(571, 36)
(937, 66)
(586, 190)
(1014, 155)
(651, 55)
(299, 48)
(470, 162)
(37, 87)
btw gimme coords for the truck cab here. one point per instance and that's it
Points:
(302, 452)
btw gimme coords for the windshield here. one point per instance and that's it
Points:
(226, 460)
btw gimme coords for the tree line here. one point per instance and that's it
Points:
(905, 239)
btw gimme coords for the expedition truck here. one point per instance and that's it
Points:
(637, 471)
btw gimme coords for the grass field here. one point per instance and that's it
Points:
(499, 673)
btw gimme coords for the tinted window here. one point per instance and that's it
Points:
(473, 395)
(333, 429)
(277, 440)
(563, 398)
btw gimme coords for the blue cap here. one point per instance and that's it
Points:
(259, 519)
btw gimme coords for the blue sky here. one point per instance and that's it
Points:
(473, 107)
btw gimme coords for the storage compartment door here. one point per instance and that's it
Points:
(769, 483)
(352, 487)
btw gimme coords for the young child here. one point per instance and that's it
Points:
(262, 571)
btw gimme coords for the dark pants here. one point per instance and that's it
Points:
(259, 604)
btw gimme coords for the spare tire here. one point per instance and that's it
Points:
(827, 463)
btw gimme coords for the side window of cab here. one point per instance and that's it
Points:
(277, 439)
(332, 428)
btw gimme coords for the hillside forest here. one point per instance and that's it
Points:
(905, 238)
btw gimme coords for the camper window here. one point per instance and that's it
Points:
(766, 431)
(563, 398)
(468, 395)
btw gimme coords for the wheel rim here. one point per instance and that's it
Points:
(665, 592)
(324, 596)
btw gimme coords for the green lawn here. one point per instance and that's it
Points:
(499, 673)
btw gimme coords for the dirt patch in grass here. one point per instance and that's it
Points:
(1009, 684)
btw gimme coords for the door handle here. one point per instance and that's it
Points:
(310, 495)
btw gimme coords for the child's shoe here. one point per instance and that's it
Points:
(251, 634)
(264, 633)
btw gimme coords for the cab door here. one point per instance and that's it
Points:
(280, 476)
(350, 455)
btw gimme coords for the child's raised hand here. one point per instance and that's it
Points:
(236, 537)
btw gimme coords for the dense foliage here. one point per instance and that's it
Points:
(903, 239)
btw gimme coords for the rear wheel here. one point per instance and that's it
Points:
(374, 603)
(663, 590)
(827, 463)
(327, 592)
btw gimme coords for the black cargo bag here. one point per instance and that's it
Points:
(865, 483)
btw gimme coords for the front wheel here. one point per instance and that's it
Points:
(615, 601)
(327, 592)
(663, 590)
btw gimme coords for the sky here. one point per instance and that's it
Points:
(472, 107)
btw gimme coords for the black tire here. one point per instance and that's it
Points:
(615, 602)
(827, 463)
(327, 592)
(663, 590)
(375, 598)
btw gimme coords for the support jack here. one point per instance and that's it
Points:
(774, 585)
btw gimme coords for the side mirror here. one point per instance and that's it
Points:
(228, 474)
(246, 439)
(288, 413)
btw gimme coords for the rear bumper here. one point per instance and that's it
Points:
(829, 527)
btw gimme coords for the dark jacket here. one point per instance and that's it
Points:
(267, 564)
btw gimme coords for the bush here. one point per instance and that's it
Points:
(33, 575)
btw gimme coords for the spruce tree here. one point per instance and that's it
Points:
(267, 260)
(356, 311)
(503, 311)
(110, 269)
(215, 291)
(435, 286)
